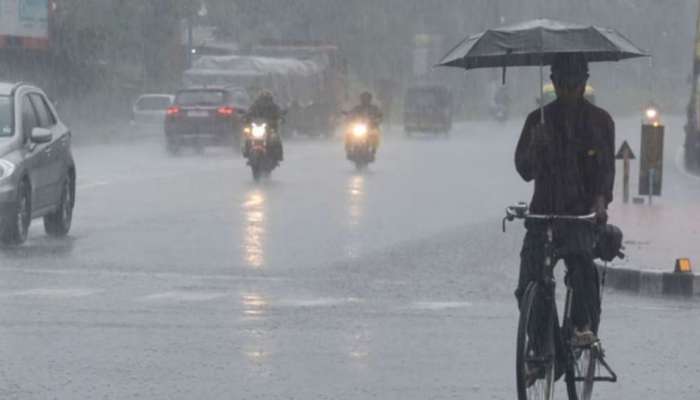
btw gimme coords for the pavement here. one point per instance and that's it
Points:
(183, 279)
(658, 234)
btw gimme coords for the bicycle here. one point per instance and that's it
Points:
(540, 337)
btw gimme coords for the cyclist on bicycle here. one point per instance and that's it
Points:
(571, 160)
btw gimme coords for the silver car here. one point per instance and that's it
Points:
(37, 171)
(149, 110)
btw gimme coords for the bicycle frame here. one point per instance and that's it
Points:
(566, 356)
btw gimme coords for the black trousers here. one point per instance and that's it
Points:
(575, 247)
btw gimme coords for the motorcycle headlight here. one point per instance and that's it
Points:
(359, 130)
(258, 131)
(6, 169)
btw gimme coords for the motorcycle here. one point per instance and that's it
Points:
(499, 106)
(361, 141)
(499, 112)
(262, 148)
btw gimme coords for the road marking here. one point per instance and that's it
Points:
(179, 295)
(147, 274)
(320, 302)
(92, 185)
(439, 305)
(56, 292)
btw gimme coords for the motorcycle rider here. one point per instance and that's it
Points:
(265, 108)
(370, 113)
(571, 160)
(500, 101)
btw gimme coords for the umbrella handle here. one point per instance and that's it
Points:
(541, 90)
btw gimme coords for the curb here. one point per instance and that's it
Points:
(651, 283)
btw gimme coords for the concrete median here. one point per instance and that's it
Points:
(651, 283)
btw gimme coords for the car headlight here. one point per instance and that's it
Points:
(359, 130)
(258, 131)
(6, 169)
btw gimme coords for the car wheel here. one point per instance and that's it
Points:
(59, 222)
(16, 226)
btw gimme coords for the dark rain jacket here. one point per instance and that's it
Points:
(265, 109)
(576, 166)
(369, 111)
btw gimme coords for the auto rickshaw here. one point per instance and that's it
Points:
(427, 109)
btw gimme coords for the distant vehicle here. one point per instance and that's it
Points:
(500, 103)
(550, 94)
(37, 171)
(308, 77)
(361, 140)
(262, 146)
(427, 109)
(148, 111)
(205, 116)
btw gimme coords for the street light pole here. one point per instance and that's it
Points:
(190, 40)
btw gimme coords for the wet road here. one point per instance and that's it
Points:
(183, 279)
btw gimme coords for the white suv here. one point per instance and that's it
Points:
(37, 171)
(149, 110)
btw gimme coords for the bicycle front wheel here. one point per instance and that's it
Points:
(536, 352)
(580, 378)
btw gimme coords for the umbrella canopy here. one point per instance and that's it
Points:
(535, 43)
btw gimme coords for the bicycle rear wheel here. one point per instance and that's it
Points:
(536, 353)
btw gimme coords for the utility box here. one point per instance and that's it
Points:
(651, 162)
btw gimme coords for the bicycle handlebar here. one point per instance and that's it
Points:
(550, 217)
(521, 211)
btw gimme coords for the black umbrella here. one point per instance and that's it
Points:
(535, 43)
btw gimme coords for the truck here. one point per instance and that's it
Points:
(24, 24)
(308, 79)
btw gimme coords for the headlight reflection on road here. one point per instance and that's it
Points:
(255, 307)
(356, 205)
(254, 235)
(360, 346)
(356, 195)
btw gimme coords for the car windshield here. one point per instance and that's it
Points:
(200, 97)
(5, 117)
(422, 98)
(153, 103)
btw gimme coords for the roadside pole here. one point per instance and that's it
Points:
(651, 161)
(190, 40)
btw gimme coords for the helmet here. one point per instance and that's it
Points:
(365, 98)
(266, 95)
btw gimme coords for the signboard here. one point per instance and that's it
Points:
(625, 154)
(652, 160)
(24, 23)
(427, 48)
